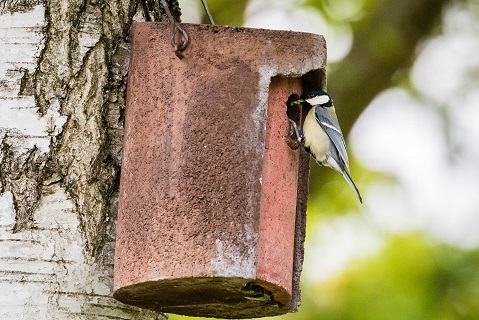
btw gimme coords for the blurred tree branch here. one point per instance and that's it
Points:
(385, 41)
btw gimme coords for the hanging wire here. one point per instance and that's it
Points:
(207, 11)
(179, 37)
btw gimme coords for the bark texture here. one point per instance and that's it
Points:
(80, 76)
(63, 74)
(81, 72)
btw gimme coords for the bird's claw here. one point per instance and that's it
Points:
(291, 141)
(294, 128)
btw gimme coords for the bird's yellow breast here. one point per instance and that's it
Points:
(314, 137)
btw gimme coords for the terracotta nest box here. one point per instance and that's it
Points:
(212, 199)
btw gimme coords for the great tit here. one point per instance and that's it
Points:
(322, 136)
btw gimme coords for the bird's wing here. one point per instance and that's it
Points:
(329, 122)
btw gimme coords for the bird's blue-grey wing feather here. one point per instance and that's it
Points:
(330, 125)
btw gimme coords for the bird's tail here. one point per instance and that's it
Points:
(351, 183)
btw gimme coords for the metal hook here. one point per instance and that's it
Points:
(207, 12)
(179, 37)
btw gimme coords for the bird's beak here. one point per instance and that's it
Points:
(295, 100)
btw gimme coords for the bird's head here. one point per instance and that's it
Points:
(316, 98)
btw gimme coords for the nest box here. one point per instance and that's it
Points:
(212, 199)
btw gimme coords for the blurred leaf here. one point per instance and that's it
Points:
(340, 11)
(226, 12)
(413, 278)
(330, 194)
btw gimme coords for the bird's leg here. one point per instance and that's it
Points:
(298, 133)
(292, 142)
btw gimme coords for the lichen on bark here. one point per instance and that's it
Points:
(21, 174)
(11, 6)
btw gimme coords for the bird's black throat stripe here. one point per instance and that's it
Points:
(308, 150)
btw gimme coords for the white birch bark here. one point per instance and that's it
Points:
(63, 71)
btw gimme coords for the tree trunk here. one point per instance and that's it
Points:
(63, 67)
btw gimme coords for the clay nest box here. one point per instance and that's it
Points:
(212, 199)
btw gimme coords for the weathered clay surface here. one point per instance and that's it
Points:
(209, 189)
(274, 260)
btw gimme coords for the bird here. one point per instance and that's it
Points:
(321, 135)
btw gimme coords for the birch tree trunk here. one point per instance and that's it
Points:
(63, 67)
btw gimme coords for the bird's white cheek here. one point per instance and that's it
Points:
(318, 100)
